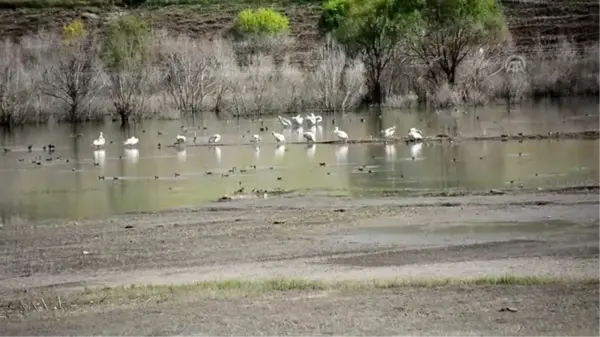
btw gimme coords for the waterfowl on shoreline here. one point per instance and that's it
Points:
(309, 136)
(214, 138)
(340, 134)
(100, 141)
(180, 139)
(415, 135)
(278, 137)
(286, 123)
(131, 141)
(389, 132)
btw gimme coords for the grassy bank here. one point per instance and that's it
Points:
(244, 288)
(231, 83)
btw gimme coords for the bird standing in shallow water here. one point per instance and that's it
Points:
(214, 138)
(341, 134)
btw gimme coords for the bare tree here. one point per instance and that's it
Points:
(15, 86)
(127, 88)
(337, 82)
(190, 77)
(73, 78)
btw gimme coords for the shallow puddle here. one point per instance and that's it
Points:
(440, 235)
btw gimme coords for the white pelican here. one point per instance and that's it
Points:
(278, 137)
(341, 134)
(214, 138)
(285, 122)
(100, 141)
(256, 139)
(131, 141)
(309, 136)
(297, 120)
(180, 139)
(313, 120)
(415, 135)
(389, 132)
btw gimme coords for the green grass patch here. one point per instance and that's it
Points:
(236, 288)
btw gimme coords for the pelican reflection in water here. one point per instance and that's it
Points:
(217, 150)
(416, 149)
(341, 153)
(390, 152)
(133, 155)
(100, 157)
(280, 151)
(311, 149)
(182, 155)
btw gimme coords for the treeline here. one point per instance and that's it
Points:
(382, 52)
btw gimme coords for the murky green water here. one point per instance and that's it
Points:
(69, 187)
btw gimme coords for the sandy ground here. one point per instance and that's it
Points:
(520, 233)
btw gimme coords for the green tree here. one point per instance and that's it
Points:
(371, 30)
(446, 32)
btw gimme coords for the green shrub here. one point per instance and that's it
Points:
(333, 13)
(73, 30)
(263, 21)
(126, 39)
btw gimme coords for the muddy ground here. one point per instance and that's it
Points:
(544, 233)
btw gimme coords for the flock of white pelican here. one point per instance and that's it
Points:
(312, 120)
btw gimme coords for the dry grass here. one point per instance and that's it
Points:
(48, 300)
(193, 77)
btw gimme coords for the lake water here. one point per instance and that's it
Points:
(153, 178)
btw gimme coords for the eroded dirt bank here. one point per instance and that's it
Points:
(548, 233)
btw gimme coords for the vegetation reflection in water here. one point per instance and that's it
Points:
(150, 178)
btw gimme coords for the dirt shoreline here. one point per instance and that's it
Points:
(552, 233)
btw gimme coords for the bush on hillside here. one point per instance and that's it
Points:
(126, 39)
(333, 13)
(73, 30)
(262, 21)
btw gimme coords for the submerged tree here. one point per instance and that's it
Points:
(446, 32)
(438, 33)
(371, 30)
(73, 77)
(126, 56)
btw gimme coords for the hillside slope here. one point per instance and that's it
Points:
(528, 20)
